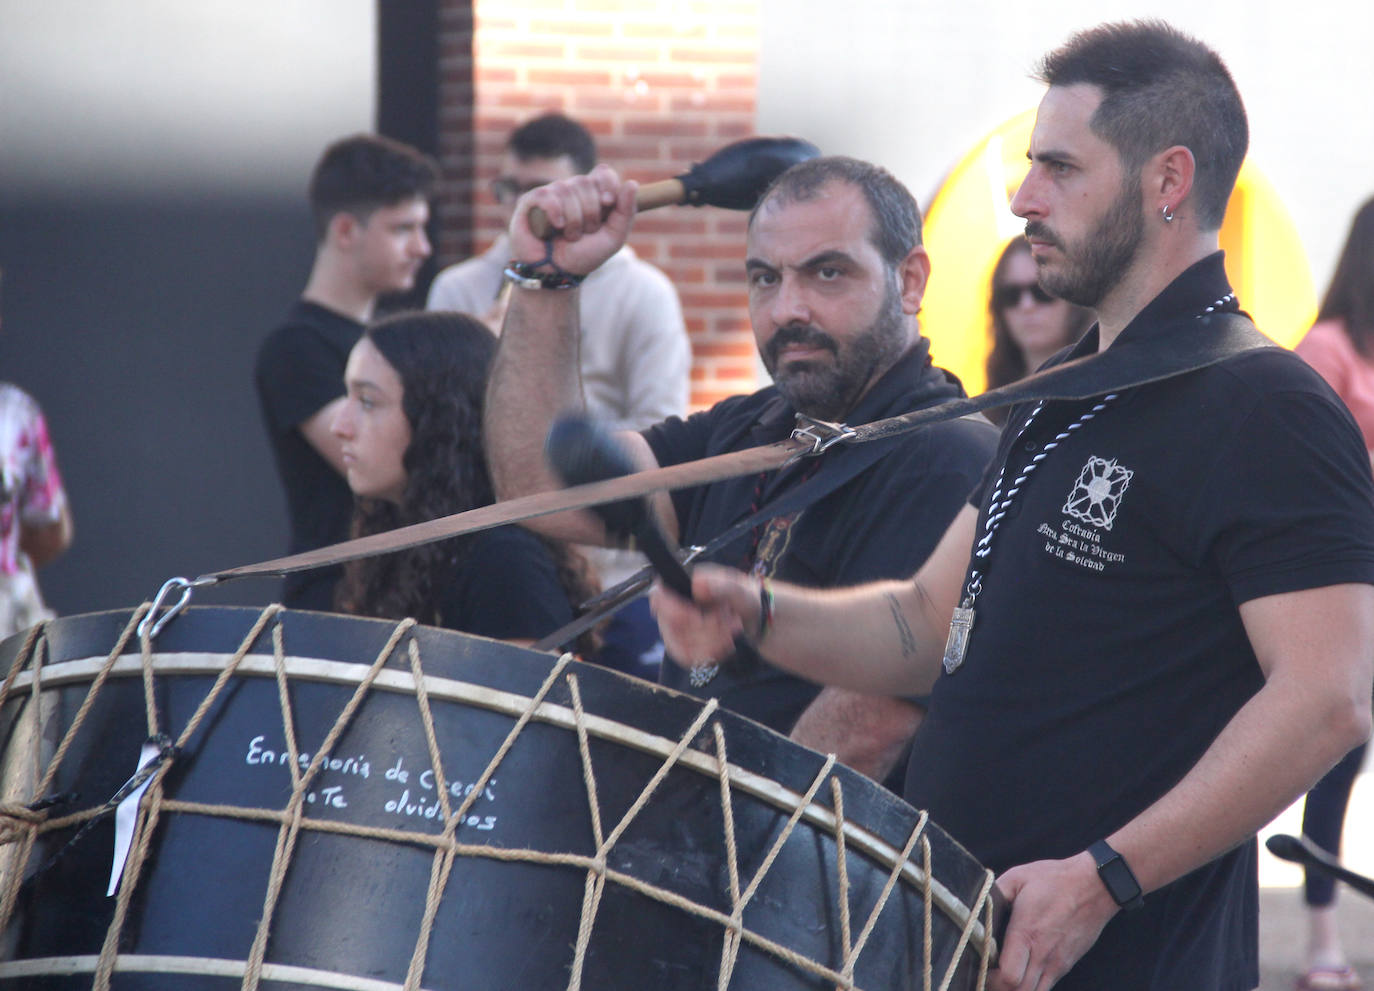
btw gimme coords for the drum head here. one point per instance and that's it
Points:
(507, 820)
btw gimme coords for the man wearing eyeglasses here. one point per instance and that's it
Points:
(635, 358)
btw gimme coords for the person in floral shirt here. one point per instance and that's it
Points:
(35, 522)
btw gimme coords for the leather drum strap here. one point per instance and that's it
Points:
(1180, 347)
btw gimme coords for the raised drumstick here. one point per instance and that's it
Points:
(733, 178)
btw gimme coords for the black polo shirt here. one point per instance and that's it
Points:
(1108, 652)
(881, 524)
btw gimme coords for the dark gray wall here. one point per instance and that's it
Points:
(134, 323)
(153, 228)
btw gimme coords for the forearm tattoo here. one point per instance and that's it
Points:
(903, 627)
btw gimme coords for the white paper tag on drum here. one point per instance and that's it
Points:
(126, 816)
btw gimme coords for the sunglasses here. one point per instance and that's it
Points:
(507, 190)
(1005, 297)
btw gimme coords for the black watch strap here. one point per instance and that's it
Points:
(1116, 875)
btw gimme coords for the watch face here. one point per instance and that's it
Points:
(1116, 875)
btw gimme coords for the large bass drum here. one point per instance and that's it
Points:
(332, 802)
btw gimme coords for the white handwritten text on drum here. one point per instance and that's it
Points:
(258, 754)
(403, 806)
(420, 805)
(332, 796)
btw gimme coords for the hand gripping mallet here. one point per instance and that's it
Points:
(733, 178)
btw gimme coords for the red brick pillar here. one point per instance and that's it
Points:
(660, 85)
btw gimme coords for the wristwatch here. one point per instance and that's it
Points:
(1116, 875)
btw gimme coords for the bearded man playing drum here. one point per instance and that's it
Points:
(1164, 631)
(836, 273)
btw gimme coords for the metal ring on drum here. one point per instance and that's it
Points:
(358, 804)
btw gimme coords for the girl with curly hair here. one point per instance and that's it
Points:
(411, 433)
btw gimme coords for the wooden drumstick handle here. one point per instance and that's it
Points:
(650, 196)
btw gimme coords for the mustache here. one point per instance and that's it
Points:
(799, 333)
(1040, 232)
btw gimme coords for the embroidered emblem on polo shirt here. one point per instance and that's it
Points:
(1097, 494)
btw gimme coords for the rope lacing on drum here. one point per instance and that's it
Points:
(31, 655)
(152, 802)
(447, 846)
(598, 870)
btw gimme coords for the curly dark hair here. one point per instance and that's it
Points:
(442, 359)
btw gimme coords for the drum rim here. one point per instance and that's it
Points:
(171, 964)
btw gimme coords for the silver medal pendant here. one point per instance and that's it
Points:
(960, 626)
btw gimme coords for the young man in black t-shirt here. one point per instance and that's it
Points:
(1154, 628)
(370, 200)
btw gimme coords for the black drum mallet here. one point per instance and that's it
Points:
(734, 178)
(580, 452)
(1301, 850)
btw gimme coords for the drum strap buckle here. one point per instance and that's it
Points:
(820, 434)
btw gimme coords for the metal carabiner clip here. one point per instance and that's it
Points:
(152, 623)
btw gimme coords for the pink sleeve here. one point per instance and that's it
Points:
(1327, 349)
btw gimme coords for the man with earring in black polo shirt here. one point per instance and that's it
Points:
(1152, 628)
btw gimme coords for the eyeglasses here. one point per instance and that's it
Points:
(507, 189)
(1005, 297)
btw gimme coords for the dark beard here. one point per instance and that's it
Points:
(1093, 267)
(829, 391)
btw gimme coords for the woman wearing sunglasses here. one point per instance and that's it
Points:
(1028, 325)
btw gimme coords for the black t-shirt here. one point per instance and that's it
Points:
(883, 523)
(300, 370)
(504, 586)
(1107, 651)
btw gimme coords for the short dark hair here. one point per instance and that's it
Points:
(1160, 88)
(896, 217)
(553, 136)
(358, 174)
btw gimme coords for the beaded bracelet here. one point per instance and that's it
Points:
(526, 275)
(523, 275)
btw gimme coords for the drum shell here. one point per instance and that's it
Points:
(354, 905)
